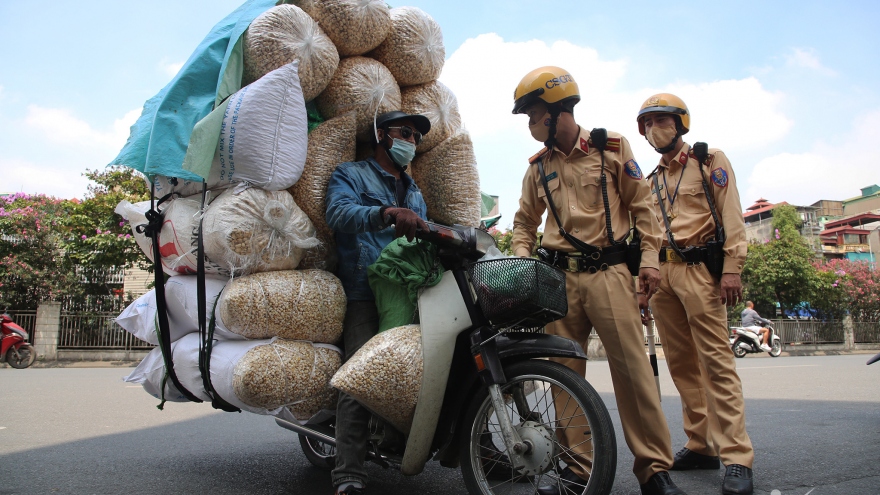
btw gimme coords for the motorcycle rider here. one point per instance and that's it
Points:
(689, 305)
(369, 204)
(751, 320)
(601, 292)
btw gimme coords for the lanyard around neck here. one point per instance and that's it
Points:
(675, 194)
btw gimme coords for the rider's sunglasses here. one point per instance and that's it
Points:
(407, 131)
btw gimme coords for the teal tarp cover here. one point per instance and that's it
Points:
(160, 137)
(401, 270)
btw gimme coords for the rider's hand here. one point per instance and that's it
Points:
(649, 281)
(731, 289)
(405, 221)
(645, 310)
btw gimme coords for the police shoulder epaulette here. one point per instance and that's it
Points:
(613, 144)
(538, 155)
(709, 159)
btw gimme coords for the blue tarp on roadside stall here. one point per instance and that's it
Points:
(164, 134)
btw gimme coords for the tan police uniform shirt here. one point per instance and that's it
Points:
(691, 218)
(574, 183)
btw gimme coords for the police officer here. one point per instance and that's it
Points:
(601, 290)
(689, 305)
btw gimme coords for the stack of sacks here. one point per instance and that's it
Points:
(265, 221)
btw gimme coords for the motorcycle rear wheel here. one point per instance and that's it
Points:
(25, 357)
(320, 454)
(532, 385)
(739, 351)
(776, 348)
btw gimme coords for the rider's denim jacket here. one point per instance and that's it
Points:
(354, 195)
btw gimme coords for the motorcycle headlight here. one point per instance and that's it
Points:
(484, 241)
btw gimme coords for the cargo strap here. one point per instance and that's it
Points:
(151, 230)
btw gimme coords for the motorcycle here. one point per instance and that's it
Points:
(744, 341)
(486, 401)
(14, 346)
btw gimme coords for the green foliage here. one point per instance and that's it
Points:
(63, 250)
(852, 286)
(780, 270)
(505, 240)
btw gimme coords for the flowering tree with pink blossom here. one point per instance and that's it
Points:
(852, 286)
(58, 249)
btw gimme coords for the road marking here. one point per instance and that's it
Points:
(809, 492)
(2, 427)
(768, 367)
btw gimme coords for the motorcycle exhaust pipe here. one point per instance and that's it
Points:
(314, 435)
(743, 345)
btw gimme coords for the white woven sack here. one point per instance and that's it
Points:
(181, 296)
(177, 238)
(264, 134)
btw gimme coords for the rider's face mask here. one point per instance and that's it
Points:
(401, 152)
(541, 128)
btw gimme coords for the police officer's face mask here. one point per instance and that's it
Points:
(661, 136)
(541, 128)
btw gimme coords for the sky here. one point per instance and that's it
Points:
(789, 90)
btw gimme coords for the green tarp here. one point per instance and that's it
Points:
(401, 270)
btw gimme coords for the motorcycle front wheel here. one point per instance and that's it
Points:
(21, 358)
(776, 348)
(533, 391)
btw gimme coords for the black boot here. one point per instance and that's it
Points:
(686, 459)
(661, 484)
(568, 482)
(737, 481)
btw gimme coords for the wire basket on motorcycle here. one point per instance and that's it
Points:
(519, 293)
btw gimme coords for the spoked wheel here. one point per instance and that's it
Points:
(320, 454)
(776, 347)
(738, 351)
(22, 357)
(580, 436)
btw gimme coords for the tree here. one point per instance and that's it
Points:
(846, 285)
(63, 250)
(780, 270)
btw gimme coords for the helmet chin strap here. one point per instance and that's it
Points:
(554, 117)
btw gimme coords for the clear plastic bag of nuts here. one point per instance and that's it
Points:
(285, 373)
(283, 34)
(291, 304)
(450, 182)
(385, 375)
(257, 231)
(413, 50)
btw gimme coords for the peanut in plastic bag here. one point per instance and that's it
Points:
(385, 375)
(413, 50)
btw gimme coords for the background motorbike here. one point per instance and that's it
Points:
(487, 397)
(743, 341)
(14, 346)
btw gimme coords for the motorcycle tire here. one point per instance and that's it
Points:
(739, 351)
(24, 357)
(533, 384)
(320, 454)
(776, 348)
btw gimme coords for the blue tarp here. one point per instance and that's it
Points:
(160, 137)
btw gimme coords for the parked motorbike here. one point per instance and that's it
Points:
(744, 341)
(487, 396)
(14, 346)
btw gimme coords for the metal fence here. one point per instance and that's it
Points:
(96, 331)
(866, 332)
(26, 320)
(796, 332)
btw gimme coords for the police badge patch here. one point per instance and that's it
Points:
(719, 177)
(633, 170)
